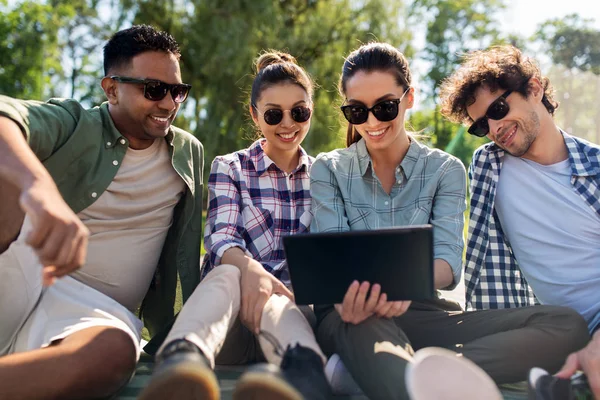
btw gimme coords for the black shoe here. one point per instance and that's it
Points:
(181, 372)
(301, 376)
(543, 386)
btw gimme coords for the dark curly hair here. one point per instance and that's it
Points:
(500, 67)
(128, 43)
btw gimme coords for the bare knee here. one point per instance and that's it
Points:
(106, 363)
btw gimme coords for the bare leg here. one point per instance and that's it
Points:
(11, 215)
(91, 363)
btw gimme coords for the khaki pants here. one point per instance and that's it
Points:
(210, 320)
(504, 343)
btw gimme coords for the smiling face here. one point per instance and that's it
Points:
(518, 130)
(141, 120)
(370, 88)
(286, 136)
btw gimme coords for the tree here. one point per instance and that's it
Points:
(573, 45)
(29, 46)
(219, 41)
(454, 27)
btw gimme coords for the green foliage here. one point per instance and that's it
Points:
(220, 40)
(571, 42)
(28, 39)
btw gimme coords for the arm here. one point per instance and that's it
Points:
(58, 236)
(329, 214)
(449, 205)
(225, 245)
(587, 359)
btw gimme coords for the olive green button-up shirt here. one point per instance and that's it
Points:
(82, 150)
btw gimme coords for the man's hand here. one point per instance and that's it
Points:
(257, 287)
(356, 308)
(587, 359)
(58, 236)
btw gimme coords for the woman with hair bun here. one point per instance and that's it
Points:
(243, 310)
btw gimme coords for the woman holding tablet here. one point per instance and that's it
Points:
(386, 178)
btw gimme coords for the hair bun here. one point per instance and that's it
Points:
(272, 57)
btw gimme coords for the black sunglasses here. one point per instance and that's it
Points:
(496, 111)
(156, 90)
(274, 116)
(384, 111)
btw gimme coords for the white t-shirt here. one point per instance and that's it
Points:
(128, 225)
(554, 234)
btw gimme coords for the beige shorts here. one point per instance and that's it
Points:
(32, 317)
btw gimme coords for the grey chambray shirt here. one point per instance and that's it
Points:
(430, 188)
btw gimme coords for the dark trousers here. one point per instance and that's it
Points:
(504, 343)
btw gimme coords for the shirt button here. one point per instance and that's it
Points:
(386, 203)
(400, 181)
(94, 194)
(122, 141)
(115, 162)
(108, 143)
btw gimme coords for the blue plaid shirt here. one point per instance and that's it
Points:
(492, 275)
(252, 204)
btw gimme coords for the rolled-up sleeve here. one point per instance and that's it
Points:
(447, 217)
(328, 208)
(224, 220)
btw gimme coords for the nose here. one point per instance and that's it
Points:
(371, 119)
(495, 127)
(287, 119)
(167, 102)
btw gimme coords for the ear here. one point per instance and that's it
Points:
(253, 114)
(535, 89)
(410, 98)
(110, 90)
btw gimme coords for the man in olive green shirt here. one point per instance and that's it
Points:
(108, 203)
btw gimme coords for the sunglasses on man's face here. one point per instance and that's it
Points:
(384, 111)
(156, 90)
(496, 111)
(274, 116)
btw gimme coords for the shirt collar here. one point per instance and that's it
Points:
(262, 162)
(583, 162)
(407, 164)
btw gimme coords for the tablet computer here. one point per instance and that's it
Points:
(323, 265)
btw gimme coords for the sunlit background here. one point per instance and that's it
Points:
(54, 48)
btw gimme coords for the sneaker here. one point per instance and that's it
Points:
(181, 372)
(438, 373)
(543, 386)
(301, 376)
(341, 381)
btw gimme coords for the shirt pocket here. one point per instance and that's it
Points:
(420, 214)
(258, 226)
(361, 218)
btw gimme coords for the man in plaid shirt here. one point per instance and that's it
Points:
(544, 212)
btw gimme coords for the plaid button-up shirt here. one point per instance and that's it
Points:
(252, 204)
(492, 275)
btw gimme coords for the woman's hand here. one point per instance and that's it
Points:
(257, 286)
(356, 307)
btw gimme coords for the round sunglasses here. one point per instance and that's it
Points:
(496, 111)
(156, 90)
(274, 116)
(384, 111)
